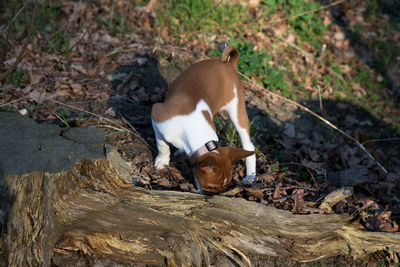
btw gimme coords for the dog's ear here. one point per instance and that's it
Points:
(237, 153)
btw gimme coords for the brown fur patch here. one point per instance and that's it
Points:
(210, 80)
(231, 55)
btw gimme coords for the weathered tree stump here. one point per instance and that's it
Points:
(65, 193)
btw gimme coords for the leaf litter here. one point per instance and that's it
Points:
(301, 162)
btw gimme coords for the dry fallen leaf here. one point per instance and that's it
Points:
(255, 192)
(277, 192)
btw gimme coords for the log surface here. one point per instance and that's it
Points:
(91, 209)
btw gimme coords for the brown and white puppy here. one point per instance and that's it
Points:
(185, 120)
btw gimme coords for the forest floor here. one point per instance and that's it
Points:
(321, 82)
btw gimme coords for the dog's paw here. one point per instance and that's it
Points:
(249, 179)
(161, 162)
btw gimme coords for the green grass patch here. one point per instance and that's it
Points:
(33, 107)
(17, 78)
(186, 16)
(52, 34)
(383, 48)
(366, 78)
(227, 132)
(8, 108)
(256, 64)
(140, 2)
(309, 26)
(118, 23)
(63, 116)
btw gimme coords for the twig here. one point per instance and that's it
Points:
(321, 107)
(90, 113)
(138, 135)
(16, 15)
(22, 52)
(65, 28)
(111, 13)
(205, 12)
(61, 119)
(308, 170)
(291, 187)
(14, 101)
(72, 47)
(319, 117)
(381, 140)
(133, 47)
(110, 127)
(321, 55)
(134, 132)
(302, 51)
(162, 25)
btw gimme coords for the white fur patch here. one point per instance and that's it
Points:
(188, 132)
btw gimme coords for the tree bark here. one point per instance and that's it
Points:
(93, 210)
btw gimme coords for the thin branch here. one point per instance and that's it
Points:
(319, 63)
(381, 140)
(14, 101)
(308, 169)
(134, 132)
(111, 127)
(302, 51)
(16, 15)
(61, 119)
(204, 14)
(90, 113)
(121, 50)
(22, 52)
(65, 28)
(72, 47)
(319, 117)
(137, 134)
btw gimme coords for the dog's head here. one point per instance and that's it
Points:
(214, 169)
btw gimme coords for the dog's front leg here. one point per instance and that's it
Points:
(162, 158)
(250, 161)
(247, 145)
(237, 108)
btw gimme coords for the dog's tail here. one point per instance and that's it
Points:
(231, 55)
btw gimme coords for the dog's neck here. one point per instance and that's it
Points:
(208, 147)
